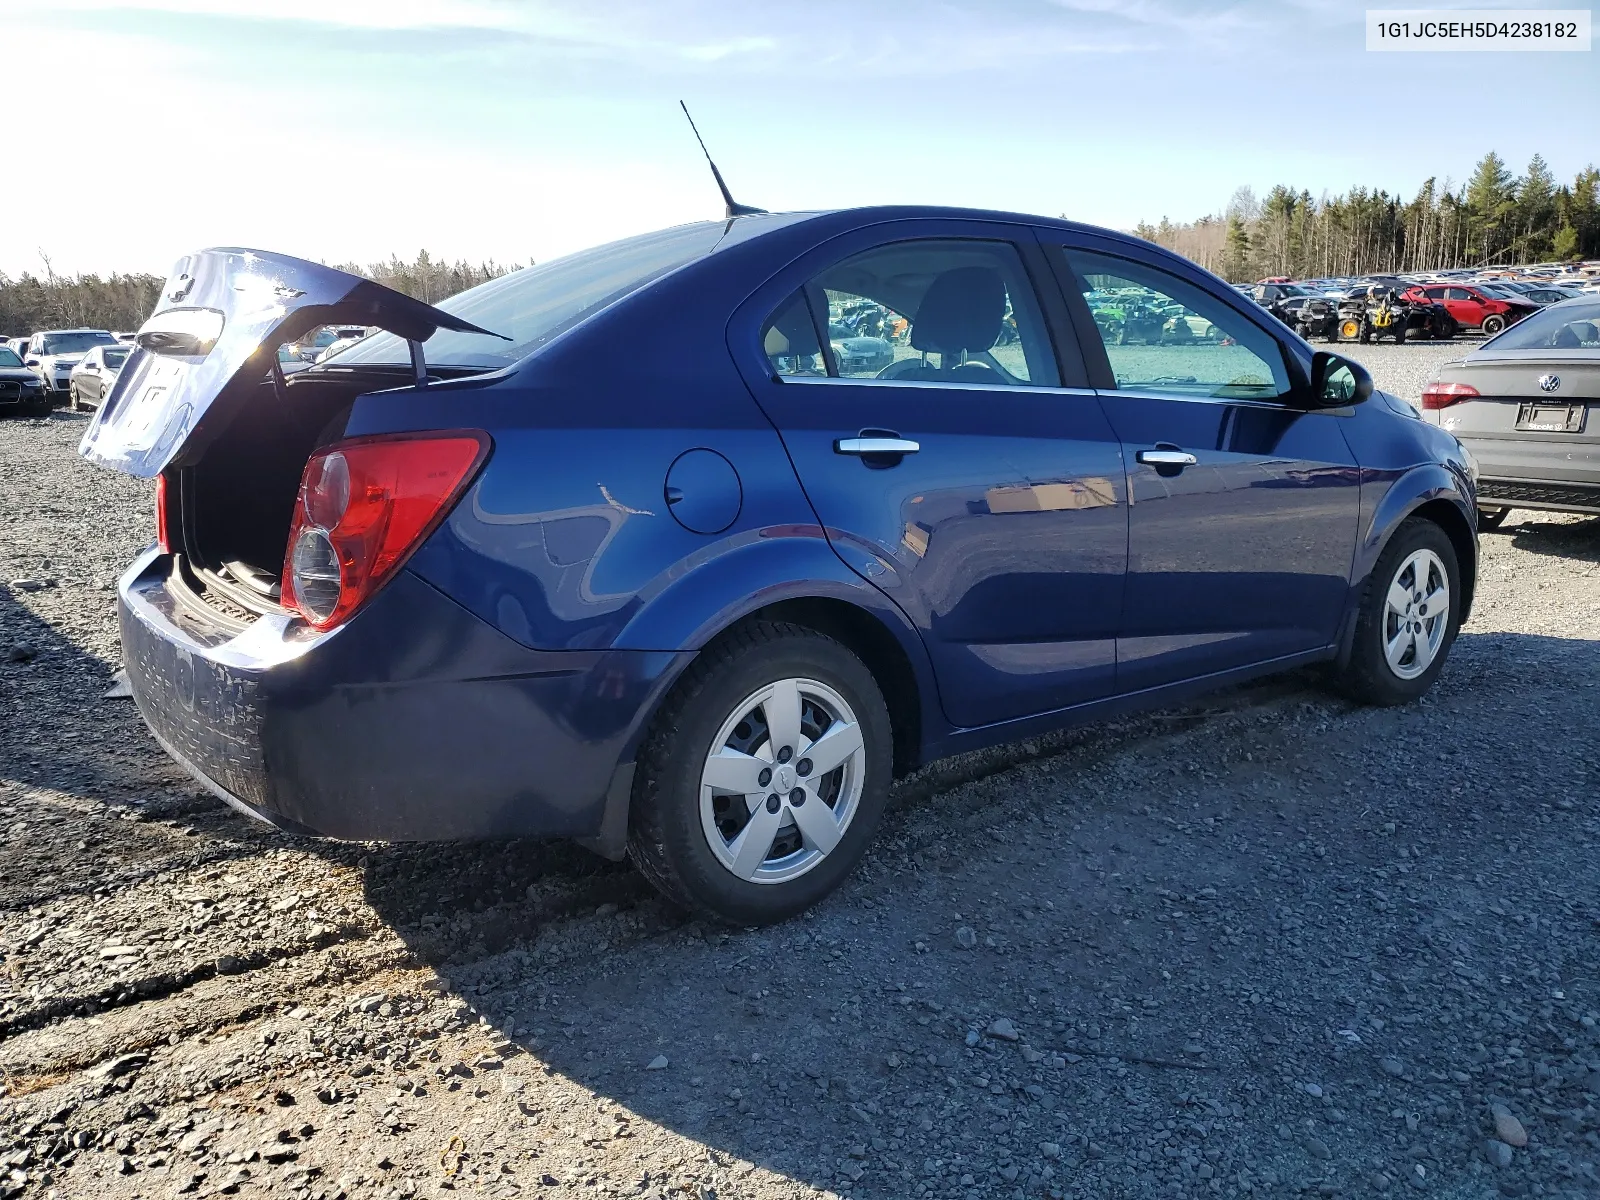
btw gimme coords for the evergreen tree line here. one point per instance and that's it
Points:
(427, 280)
(120, 302)
(1494, 218)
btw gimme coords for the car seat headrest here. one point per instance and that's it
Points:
(960, 312)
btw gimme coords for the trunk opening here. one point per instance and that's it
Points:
(233, 506)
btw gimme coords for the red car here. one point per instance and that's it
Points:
(1472, 307)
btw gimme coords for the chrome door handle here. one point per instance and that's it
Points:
(1166, 458)
(875, 445)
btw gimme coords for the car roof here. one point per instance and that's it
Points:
(843, 219)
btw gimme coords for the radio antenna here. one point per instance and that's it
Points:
(733, 207)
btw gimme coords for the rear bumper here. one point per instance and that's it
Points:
(416, 721)
(1556, 497)
(1533, 471)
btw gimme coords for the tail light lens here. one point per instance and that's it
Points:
(1442, 395)
(163, 538)
(364, 506)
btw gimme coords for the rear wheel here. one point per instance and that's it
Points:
(764, 776)
(1493, 324)
(1409, 618)
(1492, 518)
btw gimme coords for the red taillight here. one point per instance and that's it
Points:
(364, 505)
(162, 539)
(1443, 395)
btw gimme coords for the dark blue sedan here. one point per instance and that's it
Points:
(617, 548)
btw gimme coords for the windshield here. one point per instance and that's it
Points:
(8, 357)
(76, 343)
(1574, 325)
(536, 304)
(116, 357)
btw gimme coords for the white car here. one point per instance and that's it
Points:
(52, 354)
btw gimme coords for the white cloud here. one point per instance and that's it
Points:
(364, 14)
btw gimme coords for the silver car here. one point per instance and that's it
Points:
(91, 380)
(1526, 403)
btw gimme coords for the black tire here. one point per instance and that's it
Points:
(1493, 324)
(1492, 518)
(665, 838)
(1367, 676)
(1366, 335)
(1400, 333)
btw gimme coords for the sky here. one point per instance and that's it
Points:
(519, 130)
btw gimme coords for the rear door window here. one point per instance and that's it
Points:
(942, 311)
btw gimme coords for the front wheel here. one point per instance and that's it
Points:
(764, 776)
(72, 399)
(1493, 324)
(1409, 618)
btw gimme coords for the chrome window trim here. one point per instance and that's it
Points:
(1279, 405)
(1023, 389)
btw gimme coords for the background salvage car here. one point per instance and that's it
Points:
(1527, 404)
(21, 390)
(92, 378)
(54, 352)
(1474, 308)
(701, 602)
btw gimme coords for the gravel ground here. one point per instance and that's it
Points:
(1269, 945)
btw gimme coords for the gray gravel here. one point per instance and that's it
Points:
(1268, 945)
(1402, 370)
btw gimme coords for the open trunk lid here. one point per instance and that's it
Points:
(213, 339)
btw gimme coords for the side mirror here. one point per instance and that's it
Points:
(32, 362)
(1337, 382)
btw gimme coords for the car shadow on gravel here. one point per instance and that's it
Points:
(1537, 533)
(61, 732)
(85, 768)
(455, 902)
(855, 1044)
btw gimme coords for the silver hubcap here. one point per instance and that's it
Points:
(783, 781)
(1416, 614)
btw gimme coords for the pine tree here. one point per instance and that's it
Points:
(1535, 209)
(1236, 262)
(1490, 199)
